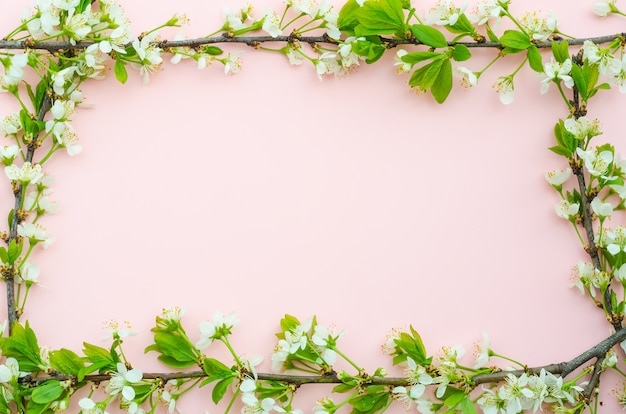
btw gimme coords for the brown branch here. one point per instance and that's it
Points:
(257, 40)
(12, 315)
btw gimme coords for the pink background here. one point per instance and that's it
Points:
(353, 199)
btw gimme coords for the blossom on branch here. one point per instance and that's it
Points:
(445, 13)
(556, 72)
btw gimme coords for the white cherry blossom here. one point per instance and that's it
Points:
(444, 13)
(506, 89)
(596, 164)
(555, 71)
(557, 178)
(122, 380)
(27, 173)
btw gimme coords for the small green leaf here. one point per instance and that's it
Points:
(580, 81)
(425, 76)
(443, 84)
(560, 150)
(372, 48)
(348, 17)
(534, 59)
(381, 17)
(213, 50)
(462, 26)
(560, 51)
(220, 389)
(40, 93)
(22, 345)
(4, 257)
(370, 402)
(173, 346)
(216, 370)
(101, 367)
(515, 39)
(491, 35)
(461, 53)
(47, 392)
(429, 36)
(467, 406)
(120, 71)
(66, 361)
(558, 132)
(14, 252)
(288, 323)
(510, 51)
(416, 57)
(10, 217)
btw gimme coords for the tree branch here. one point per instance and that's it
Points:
(254, 41)
(12, 315)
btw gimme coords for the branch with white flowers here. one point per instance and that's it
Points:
(255, 41)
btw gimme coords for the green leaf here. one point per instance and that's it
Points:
(463, 26)
(443, 84)
(534, 59)
(580, 81)
(381, 17)
(288, 323)
(40, 93)
(461, 53)
(416, 57)
(429, 35)
(66, 361)
(558, 132)
(419, 344)
(491, 35)
(47, 392)
(173, 346)
(101, 366)
(561, 150)
(467, 406)
(96, 353)
(120, 70)
(100, 358)
(34, 408)
(341, 388)
(604, 86)
(515, 39)
(174, 363)
(560, 51)
(372, 48)
(348, 17)
(216, 370)
(31, 95)
(510, 51)
(220, 389)
(14, 251)
(213, 50)
(369, 402)
(425, 76)
(454, 398)
(22, 345)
